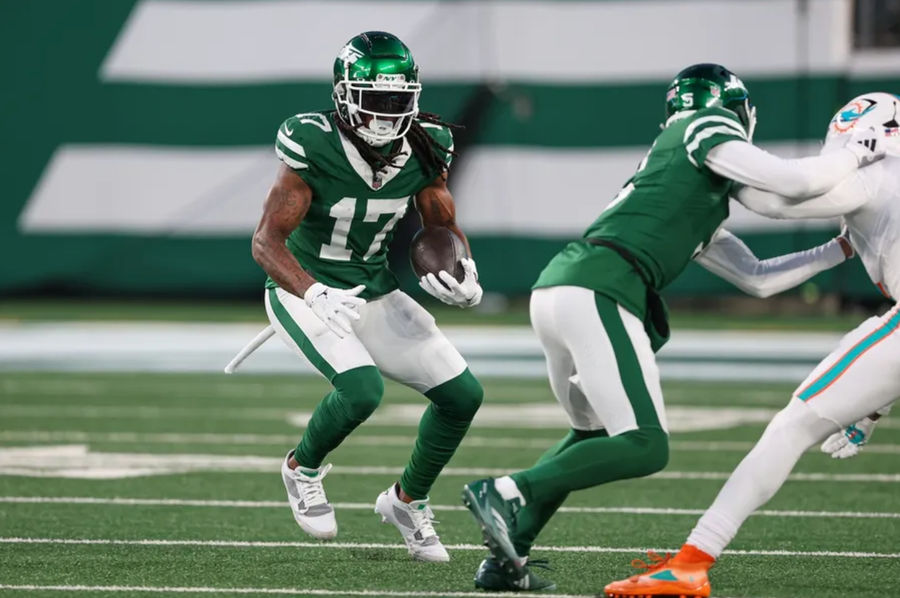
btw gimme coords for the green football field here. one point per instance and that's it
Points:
(139, 483)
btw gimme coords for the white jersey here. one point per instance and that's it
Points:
(875, 226)
(869, 201)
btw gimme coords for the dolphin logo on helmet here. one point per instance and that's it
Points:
(876, 110)
(846, 119)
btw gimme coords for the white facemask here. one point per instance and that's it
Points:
(382, 127)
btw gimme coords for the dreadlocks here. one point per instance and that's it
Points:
(429, 152)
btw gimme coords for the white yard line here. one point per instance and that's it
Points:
(377, 545)
(78, 461)
(253, 439)
(358, 506)
(529, 415)
(890, 478)
(142, 412)
(356, 440)
(276, 591)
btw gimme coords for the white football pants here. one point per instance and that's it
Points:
(859, 377)
(600, 364)
(393, 333)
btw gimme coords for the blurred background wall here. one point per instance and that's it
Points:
(137, 134)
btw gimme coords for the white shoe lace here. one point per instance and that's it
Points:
(311, 489)
(424, 520)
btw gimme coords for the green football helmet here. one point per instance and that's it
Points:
(704, 85)
(376, 87)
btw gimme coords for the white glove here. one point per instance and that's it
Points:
(335, 307)
(462, 294)
(848, 442)
(867, 144)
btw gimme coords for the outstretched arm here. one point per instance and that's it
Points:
(749, 165)
(728, 257)
(848, 196)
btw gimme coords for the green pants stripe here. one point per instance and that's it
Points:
(630, 372)
(587, 460)
(297, 335)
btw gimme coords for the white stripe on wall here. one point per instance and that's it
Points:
(559, 192)
(219, 192)
(151, 189)
(240, 41)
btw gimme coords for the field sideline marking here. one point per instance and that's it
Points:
(377, 545)
(359, 506)
(78, 461)
(282, 591)
(259, 439)
(360, 440)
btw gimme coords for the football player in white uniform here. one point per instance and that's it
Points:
(857, 382)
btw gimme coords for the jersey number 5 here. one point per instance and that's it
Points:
(343, 212)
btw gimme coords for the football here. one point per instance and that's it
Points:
(436, 248)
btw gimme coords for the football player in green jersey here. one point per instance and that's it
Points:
(346, 179)
(598, 315)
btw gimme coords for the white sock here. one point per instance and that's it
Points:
(508, 489)
(759, 476)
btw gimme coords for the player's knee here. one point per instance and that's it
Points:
(459, 398)
(653, 450)
(361, 390)
(800, 425)
(469, 401)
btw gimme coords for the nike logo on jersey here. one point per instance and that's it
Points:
(288, 131)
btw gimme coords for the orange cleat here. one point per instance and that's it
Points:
(681, 576)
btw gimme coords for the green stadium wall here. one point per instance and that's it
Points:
(138, 134)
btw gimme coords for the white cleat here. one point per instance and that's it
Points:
(414, 520)
(311, 509)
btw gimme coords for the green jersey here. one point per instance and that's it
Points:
(664, 215)
(342, 241)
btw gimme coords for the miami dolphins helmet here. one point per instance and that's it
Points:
(705, 85)
(376, 87)
(879, 111)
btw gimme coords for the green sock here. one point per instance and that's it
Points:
(595, 461)
(441, 429)
(534, 516)
(356, 394)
